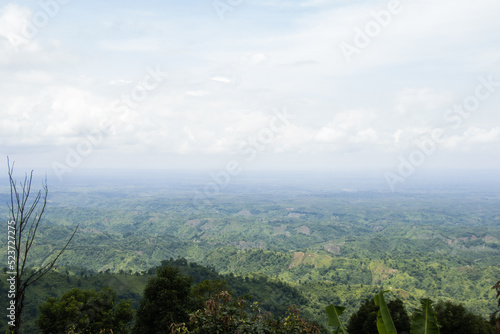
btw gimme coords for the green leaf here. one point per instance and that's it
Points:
(424, 319)
(333, 313)
(384, 320)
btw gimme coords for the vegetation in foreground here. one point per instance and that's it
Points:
(309, 248)
(174, 302)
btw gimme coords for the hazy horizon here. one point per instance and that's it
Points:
(211, 183)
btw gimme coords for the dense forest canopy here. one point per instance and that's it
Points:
(328, 241)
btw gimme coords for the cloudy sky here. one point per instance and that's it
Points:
(300, 85)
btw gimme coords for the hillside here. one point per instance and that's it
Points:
(330, 246)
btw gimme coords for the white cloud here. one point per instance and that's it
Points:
(119, 82)
(13, 19)
(483, 136)
(221, 88)
(131, 45)
(221, 79)
(366, 136)
(329, 133)
(472, 139)
(196, 93)
(418, 101)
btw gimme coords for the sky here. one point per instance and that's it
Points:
(231, 85)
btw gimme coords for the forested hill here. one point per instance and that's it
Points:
(338, 245)
(273, 295)
(269, 295)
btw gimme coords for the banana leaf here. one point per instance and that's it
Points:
(333, 313)
(424, 320)
(385, 325)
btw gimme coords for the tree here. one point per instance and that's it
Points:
(224, 314)
(26, 213)
(205, 290)
(494, 316)
(166, 300)
(365, 319)
(85, 311)
(455, 319)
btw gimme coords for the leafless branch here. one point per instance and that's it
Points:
(27, 214)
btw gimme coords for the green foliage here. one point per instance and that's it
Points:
(85, 311)
(384, 320)
(259, 288)
(455, 319)
(333, 313)
(206, 290)
(424, 319)
(311, 248)
(55, 284)
(495, 317)
(166, 300)
(221, 315)
(440, 244)
(273, 295)
(225, 315)
(399, 315)
(365, 319)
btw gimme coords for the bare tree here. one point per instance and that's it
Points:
(26, 212)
